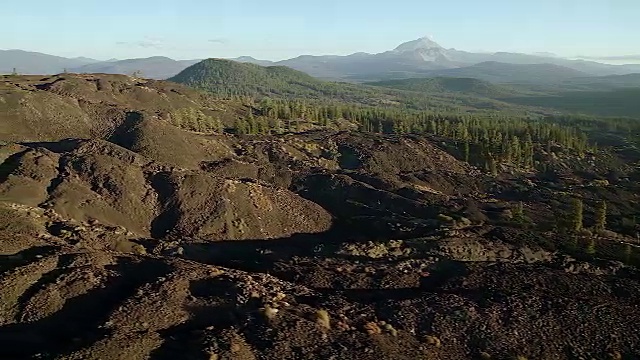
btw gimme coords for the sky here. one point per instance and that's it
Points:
(280, 29)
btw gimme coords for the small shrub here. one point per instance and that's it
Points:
(128, 246)
(506, 215)
(269, 312)
(518, 213)
(372, 328)
(608, 234)
(445, 218)
(322, 319)
(591, 247)
(331, 152)
(391, 330)
(615, 355)
(585, 232)
(600, 183)
(433, 341)
(343, 326)
(139, 249)
(463, 222)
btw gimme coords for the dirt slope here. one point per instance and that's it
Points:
(52, 108)
(86, 302)
(101, 181)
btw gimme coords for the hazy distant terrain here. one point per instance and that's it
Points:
(540, 89)
(418, 58)
(424, 58)
(26, 62)
(157, 67)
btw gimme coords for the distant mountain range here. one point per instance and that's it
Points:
(33, 63)
(425, 58)
(418, 58)
(499, 72)
(571, 91)
(227, 77)
(485, 88)
(157, 67)
(469, 86)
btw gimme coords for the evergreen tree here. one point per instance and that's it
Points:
(252, 127)
(518, 213)
(591, 246)
(278, 127)
(241, 127)
(627, 253)
(576, 218)
(466, 150)
(218, 127)
(261, 127)
(493, 167)
(601, 216)
(528, 151)
(514, 145)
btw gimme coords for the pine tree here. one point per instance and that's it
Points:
(252, 127)
(627, 253)
(278, 127)
(516, 155)
(601, 216)
(591, 246)
(190, 119)
(576, 219)
(466, 150)
(528, 151)
(218, 127)
(241, 127)
(493, 167)
(261, 127)
(518, 213)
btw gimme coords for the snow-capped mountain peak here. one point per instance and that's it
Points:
(424, 43)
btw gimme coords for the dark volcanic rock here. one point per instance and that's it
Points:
(123, 236)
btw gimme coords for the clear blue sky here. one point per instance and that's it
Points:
(277, 29)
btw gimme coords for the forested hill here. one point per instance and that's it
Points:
(230, 78)
(497, 72)
(223, 75)
(468, 86)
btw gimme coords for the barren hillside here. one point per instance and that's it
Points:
(127, 232)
